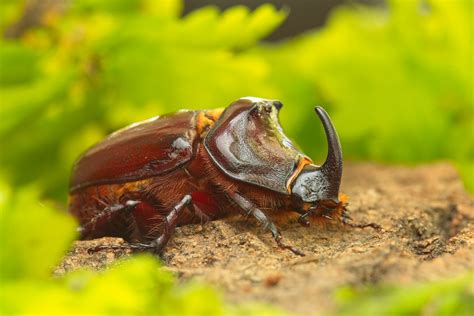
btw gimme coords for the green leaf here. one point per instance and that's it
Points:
(167, 9)
(24, 103)
(18, 64)
(114, 6)
(444, 297)
(34, 236)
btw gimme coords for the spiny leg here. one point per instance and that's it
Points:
(170, 224)
(109, 211)
(251, 209)
(158, 244)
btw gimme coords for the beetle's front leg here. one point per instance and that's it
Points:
(251, 209)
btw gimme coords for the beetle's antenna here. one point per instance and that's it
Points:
(332, 167)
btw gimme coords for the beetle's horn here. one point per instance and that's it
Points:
(332, 167)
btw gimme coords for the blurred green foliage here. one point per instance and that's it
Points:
(439, 298)
(397, 81)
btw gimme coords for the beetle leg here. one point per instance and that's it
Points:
(303, 219)
(158, 244)
(105, 214)
(345, 218)
(171, 222)
(251, 209)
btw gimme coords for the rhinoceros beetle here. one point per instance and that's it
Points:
(144, 180)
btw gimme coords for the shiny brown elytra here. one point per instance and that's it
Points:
(194, 166)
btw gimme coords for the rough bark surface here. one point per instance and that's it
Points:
(427, 219)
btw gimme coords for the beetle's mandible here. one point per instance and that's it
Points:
(192, 166)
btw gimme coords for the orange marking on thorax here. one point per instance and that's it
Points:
(214, 114)
(206, 119)
(303, 162)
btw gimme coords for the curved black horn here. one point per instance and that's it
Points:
(332, 167)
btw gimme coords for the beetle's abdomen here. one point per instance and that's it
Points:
(156, 197)
(90, 204)
(140, 151)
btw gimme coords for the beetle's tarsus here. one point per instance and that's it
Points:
(294, 250)
(131, 246)
(108, 247)
(346, 221)
(372, 225)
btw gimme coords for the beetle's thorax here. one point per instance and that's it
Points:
(248, 145)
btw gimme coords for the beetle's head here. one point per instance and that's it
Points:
(316, 189)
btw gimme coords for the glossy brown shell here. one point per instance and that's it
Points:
(248, 144)
(140, 151)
